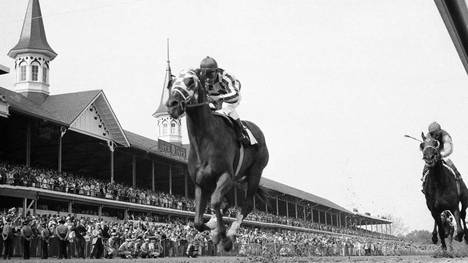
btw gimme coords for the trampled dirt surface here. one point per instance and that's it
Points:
(396, 259)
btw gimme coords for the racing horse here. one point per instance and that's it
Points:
(213, 161)
(443, 192)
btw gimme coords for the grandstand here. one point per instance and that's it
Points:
(78, 135)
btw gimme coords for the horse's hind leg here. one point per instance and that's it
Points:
(252, 185)
(200, 205)
(223, 186)
(434, 233)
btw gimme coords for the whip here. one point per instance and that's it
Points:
(411, 137)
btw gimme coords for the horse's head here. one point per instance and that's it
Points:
(430, 150)
(184, 91)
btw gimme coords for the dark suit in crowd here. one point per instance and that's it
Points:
(26, 236)
(62, 234)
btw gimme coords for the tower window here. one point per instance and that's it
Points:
(173, 128)
(35, 71)
(23, 73)
(44, 75)
(165, 128)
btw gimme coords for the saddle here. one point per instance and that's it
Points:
(239, 127)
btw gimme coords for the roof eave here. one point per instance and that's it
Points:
(13, 53)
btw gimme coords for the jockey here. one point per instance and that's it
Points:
(224, 92)
(445, 149)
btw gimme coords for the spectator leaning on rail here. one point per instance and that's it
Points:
(224, 92)
(436, 132)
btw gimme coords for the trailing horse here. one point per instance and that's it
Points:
(443, 192)
(214, 156)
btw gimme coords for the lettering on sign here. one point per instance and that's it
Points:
(172, 149)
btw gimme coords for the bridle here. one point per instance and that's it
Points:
(426, 147)
(189, 95)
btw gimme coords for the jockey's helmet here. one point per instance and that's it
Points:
(208, 63)
(434, 128)
(208, 68)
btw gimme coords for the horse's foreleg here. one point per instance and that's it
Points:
(434, 233)
(462, 218)
(223, 186)
(441, 234)
(459, 234)
(200, 205)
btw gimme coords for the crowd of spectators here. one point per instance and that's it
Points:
(52, 235)
(66, 182)
(73, 184)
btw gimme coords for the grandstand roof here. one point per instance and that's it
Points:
(67, 107)
(142, 143)
(22, 104)
(268, 183)
(4, 69)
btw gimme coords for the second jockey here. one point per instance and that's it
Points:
(445, 149)
(224, 93)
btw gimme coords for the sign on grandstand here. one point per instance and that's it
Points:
(172, 149)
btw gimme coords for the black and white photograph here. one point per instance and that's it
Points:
(233, 131)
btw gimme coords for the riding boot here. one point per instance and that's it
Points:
(240, 130)
(457, 173)
(452, 165)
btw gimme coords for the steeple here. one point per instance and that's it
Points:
(169, 128)
(32, 56)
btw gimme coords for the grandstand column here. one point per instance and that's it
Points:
(296, 209)
(100, 210)
(70, 207)
(277, 208)
(304, 212)
(287, 208)
(326, 219)
(111, 149)
(235, 195)
(186, 184)
(62, 131)
(254, 203)
(28, 144)
(312, 214)
(133, 170)
(126, 214)
(25, 206)
(170, 179)
(152, 176)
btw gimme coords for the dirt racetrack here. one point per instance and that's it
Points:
(396, 259)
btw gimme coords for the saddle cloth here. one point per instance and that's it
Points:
(454, 176)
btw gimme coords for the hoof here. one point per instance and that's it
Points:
(227, 244)
(459, 237)
(217, 236)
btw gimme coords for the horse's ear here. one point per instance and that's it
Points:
(423, 136)
(421, 146)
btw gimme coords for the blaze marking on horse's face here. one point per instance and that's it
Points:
(430, 152)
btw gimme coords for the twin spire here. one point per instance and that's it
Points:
(169, 128)
(33, 37)
(32, 56)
